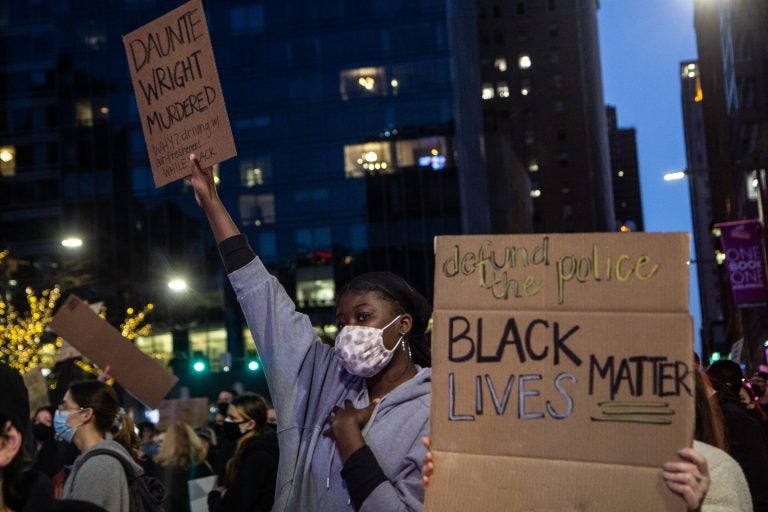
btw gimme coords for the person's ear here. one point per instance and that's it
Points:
(87, 414)
(249, 425)
(10, 444)
(406, 322)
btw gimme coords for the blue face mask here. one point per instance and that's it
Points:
(63, 431)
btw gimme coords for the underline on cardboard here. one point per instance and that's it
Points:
(629, 411)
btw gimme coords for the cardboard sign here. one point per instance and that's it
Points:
(37, 389)
(192, 411)
(138, 373)
(562, 371)
(178, 93)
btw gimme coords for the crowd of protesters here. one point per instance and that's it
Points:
(353, 418)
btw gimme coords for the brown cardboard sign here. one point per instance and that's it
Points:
(599, 272)
(178, 93)
(138, 373)
(572, 406)
(37, 389)
(192, 411)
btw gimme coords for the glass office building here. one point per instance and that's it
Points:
(358, 130)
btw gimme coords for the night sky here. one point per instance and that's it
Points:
(641, 45)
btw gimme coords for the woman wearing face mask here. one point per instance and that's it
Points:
(91, 417)
(351, 416)
(24, 490)
(249, 482)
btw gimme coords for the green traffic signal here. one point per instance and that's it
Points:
(199, 362)
(253, 365)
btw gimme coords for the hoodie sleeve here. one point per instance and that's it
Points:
(372, 491)
(292, 354)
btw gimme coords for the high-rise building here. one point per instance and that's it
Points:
(705, 243)
(732, 69)
(625, 175)
(542, 98)
(358, 128)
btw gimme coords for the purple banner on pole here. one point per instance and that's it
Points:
(744, 259)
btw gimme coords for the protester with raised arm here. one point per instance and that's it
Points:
(351, 416)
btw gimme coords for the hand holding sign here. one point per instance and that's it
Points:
(181, 104)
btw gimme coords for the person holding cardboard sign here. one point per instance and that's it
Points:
(350, 420)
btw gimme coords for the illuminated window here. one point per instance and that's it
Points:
(157, 346)
(257, 209)
(368, 158)
(488, 91)
(211, 342)
(424, 152)
(315, 286)
(525, 87)
(524, 61)
(7, 161)
(500, 63)
(255, 172)
(502, 89)
(533, 165)
(84, 113)
(363, 82)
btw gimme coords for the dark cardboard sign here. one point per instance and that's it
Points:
(178, 93)
(579, 386)
(96, 339)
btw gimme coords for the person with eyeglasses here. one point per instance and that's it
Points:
(251, 472)
(90, 416)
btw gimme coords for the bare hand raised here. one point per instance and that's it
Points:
(203, 183)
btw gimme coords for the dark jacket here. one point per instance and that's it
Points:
(254, 487)
(746, 444)
(175, 481)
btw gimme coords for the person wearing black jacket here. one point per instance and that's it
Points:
(251, 473)
(746, 440)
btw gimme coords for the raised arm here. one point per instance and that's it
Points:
(208, 198)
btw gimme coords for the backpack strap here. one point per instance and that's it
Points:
(130, 471)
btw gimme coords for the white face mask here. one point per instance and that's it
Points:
(361, 349)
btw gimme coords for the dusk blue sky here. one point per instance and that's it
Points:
(642, 44)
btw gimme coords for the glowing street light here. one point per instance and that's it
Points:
(674, 175)
(72, 242)
(177, 284)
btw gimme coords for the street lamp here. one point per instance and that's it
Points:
(72, 242)
(675, 175)
(177, 284)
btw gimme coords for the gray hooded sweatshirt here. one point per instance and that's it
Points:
(306, 380)
(101, 479)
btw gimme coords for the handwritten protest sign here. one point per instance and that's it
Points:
(562, 371)
(180, 101)
(192, 411)
(139, 374)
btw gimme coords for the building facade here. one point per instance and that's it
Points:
(625, 175)
(543, 100)
(732, 48)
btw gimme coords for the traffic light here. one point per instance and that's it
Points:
(199, 362)
(252, 363)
